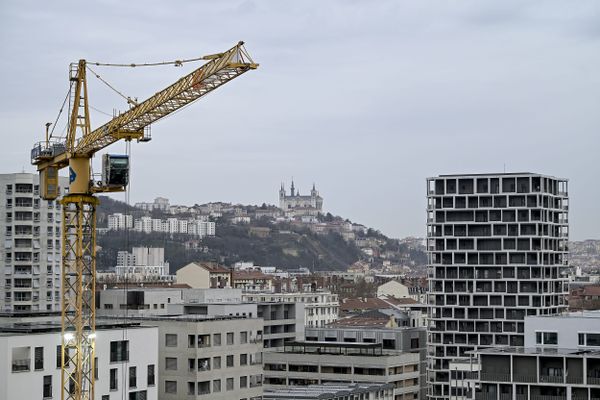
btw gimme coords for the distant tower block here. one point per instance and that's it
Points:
(302, 205)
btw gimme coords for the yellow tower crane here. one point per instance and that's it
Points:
(79, 205)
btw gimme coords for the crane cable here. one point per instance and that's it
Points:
(128, 99)
(176, 63)
(62, 107)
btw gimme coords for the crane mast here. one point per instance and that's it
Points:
(79, 205)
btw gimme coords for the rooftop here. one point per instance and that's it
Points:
(49, 327)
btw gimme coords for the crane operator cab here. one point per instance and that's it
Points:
(115, 171)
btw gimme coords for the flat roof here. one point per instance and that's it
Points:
(49, 327)
(177, 317)
(354, 345)
(497, 174)
(544, 351)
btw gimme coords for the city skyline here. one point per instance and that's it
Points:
(508, 86)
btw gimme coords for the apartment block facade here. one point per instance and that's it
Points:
(497, 252)
(202, 357)
(30, 231)
(126, 365)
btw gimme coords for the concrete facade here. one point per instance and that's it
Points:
(497, 252)
(30, 232)
(203, 357)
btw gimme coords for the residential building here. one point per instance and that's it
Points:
(560, 360)
(363, 391)
(160, 203)
(30, 230)
(126, 361)
(252, 281)
(204, 275)
(119, 221)
(208, 357)
(316, 363)
(142, 263)
(497, 249)
(320, 307)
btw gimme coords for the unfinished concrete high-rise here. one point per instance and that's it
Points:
(497, 251)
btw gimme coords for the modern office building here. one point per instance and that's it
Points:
(497, 252)
(126, 360)
(393, 340)
(30, 230)
(316, 363)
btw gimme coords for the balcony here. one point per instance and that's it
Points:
(526, 378)
(551, 379)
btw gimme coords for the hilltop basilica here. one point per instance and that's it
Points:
(308, 205)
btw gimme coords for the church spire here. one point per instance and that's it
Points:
(293, 189)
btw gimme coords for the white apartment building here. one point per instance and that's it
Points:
(196, 227)
(320, 308)
(118, 221)
(30, 232)
(126, 361)
(160, 203)
(497, 247)
(142, 263)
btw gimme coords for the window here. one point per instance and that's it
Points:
(229, 384)
(414, 343)
(58, 356)
(170, 340)
(217, 362)
(229, 361)
(581, 339)
(47, 390)
(132, 377)
(171, 363)
(216, 386)
(21, 359)
(114, 379)
(171, 387)
(191, 388)
(96, 368)
(151, 377)
(217, 339)
(243, 337)
(119, 351)
(105, 397)
(139, 395)
(546, 338)
(243, 359)
(191, 364)
(38, 362)
(230, 338)
(191, 340)
(243, 381)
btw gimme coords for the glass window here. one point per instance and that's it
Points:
(171, 363)
(114, 384)
(38, 358)
(217, 363)
(593, 339)
(230, 361)
(132, 377)
(230, 338)
(170, 340)
(581, 339)
(538, 338)
(171, 387)
(229, 383)
(243, 337)
(119, 351)
(217, 339)
(216, 385)
(47, 389)
(550, 338)
(151, 377)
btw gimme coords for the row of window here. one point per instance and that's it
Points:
(204, 387)
(114, 377)
(208, 340)
(206, 364)
(583, 339)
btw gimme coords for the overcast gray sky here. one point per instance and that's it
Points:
(365, 98)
